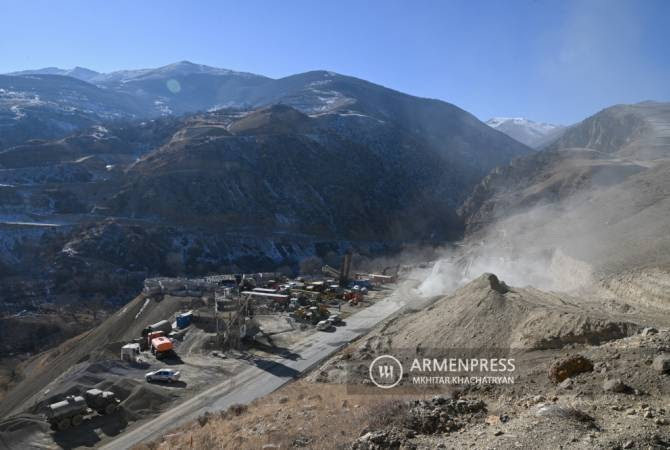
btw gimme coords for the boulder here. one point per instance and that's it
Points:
(392, 438)
(661, 363)
(569, 367)
(649, 331)
(614, 385)
(496, 284)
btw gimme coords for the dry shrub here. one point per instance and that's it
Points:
(387, 414)
(235, 410)
(209, 442)
(153, 445)
(203, 419)
(238, 409)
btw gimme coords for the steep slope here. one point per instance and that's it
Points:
(457, 133)
(579, 217)
(545, 177)
(599, 152)
(279, 169)
(640, 131)
(533, 134)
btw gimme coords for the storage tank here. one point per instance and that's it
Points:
(163, 326)
(67, 412)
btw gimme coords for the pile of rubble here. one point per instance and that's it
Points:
(423, 417)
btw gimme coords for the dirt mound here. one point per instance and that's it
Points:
(145, 399)
(486, 313)
(20, 431)
(485, 317)
(122, 387)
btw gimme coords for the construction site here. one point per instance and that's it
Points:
(176, 339)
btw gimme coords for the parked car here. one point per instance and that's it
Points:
(325, 325)
(336, 320)
(168, 375)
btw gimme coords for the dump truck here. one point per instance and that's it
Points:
(72, 410)
(161, 347)
(148, 337)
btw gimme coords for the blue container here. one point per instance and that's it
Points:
(184, 320)
(362, 283)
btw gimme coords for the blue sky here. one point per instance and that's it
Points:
(549, 60)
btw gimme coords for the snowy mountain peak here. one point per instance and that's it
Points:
(524, 130)
(80, 73)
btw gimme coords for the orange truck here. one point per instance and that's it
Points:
(153, 335)
(161, 346)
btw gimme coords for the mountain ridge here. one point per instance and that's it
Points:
(534, 134)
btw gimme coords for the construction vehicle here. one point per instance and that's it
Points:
(150, 336)
(104, 402)
(130, 352)
(163, 326)
(149, 332)
(72, 410)
(353, 297)
(68, 412)
(162, 347)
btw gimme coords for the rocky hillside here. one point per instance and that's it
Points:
(334, 162)
(53, 106)
(640, 131)
(603, 201)
(279, 169)
(185, 87)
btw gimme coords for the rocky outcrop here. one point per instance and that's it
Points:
(569, 367)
